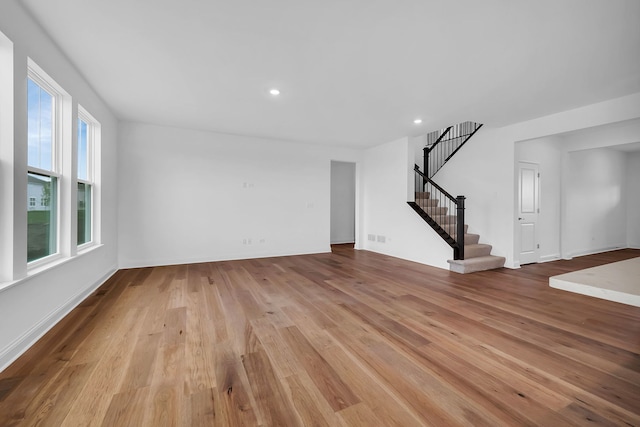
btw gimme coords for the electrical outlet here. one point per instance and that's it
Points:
(372, 237)
(382, 239)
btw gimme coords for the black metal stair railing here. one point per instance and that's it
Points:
(443, 144)
(443, 212)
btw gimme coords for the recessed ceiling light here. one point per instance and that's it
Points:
(274, 92)
(417, 121)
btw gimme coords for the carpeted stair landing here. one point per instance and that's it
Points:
(473, 264)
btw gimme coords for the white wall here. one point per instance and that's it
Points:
(596, 145)
(547, 153)
(343, 202)
(633, 200)
(387, 179)
(417, 143)
(596, 201)
(190, 196)
(31, 303)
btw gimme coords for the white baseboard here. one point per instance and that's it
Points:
(596, 251)
(21, 344)
(549, 258)
(141, 263)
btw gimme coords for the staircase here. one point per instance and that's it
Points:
(443, 212)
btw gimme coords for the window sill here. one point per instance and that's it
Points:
(87, 247)
(38, 270)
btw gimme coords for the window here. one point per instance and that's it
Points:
(42, 167)
(87, 136)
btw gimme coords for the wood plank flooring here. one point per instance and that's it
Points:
(351, 338)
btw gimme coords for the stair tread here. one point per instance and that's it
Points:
(476, 245)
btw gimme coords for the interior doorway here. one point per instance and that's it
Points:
(343, 202)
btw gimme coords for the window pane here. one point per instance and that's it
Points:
(41, 220)
(84, 213)
(40, 126)
(82, 150)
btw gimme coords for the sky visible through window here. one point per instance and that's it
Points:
(39, 127)
(82, 150)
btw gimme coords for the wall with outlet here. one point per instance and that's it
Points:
(390, 225)
(192, 196)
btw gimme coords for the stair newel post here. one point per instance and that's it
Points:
(460, 227)
(425, 160)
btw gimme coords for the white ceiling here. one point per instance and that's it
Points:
(351, 72)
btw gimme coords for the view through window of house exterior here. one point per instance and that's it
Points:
(84, 182)
(42, 182)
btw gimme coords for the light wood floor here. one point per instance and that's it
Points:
(351, 338)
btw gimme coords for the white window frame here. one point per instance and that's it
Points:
(93, 140)
(43, 80)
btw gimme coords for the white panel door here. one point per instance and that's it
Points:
(528, 210)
